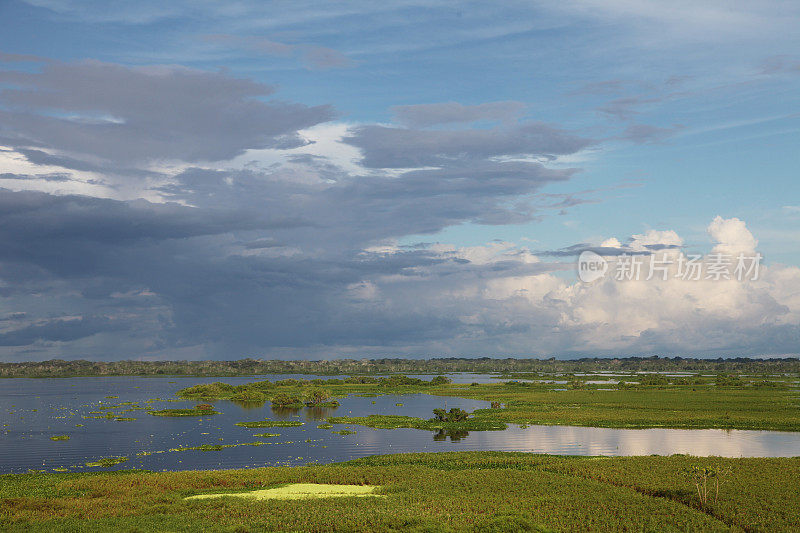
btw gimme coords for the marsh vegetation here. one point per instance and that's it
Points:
(662, 401)
(202, 409)
(481, 491)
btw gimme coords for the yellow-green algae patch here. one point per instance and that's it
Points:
(297, 491)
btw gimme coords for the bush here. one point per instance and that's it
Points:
(317, 396)
(653, 380)
(283, 399)
(723, 380)
(208, 390)
(362, 380)
(454, 415)
(395, 381)
(249, 395)
(441, 380)
(706, 479)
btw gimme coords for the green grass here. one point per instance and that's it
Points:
(270, 424)
(675, 407)
(468, 491)
(107, 462)
(213, 447)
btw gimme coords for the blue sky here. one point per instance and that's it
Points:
(412, 171)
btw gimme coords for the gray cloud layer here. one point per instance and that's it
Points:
(424, 115)
(133, 115)
(387, 147)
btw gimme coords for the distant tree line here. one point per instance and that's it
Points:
(248, 367)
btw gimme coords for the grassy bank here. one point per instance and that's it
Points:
(476, 491)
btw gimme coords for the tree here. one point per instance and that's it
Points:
(703, 476)
(454, 415)
(317, 396)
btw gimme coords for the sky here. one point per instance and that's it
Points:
(220, 180)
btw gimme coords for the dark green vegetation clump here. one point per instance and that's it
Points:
(286, 399)
(213, 447)
(200, 410)
(398, 421)
(468, 491)
(107, 462)
(270, 424)
(453, 415)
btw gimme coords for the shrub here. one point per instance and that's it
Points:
(703, 476)
(724, 380)
(362, 380)
(283, 399)
(453, 415)
(317, 396)
(395, 381)
(249, 395)
(653, 380)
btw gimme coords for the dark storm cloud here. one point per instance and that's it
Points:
(261, 244)
(62, 330)
(56, 176)
(353, 212)
(481, 179)
(136, 114)
(32, 216)
(387, 147)
(38, 157)
(424, 115)
(193, 261)
(426, 201)
(244, 260)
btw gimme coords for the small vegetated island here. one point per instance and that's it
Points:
(202, 409)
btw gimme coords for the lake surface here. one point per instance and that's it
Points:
(33, 410)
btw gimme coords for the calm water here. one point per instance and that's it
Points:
(33, 410)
